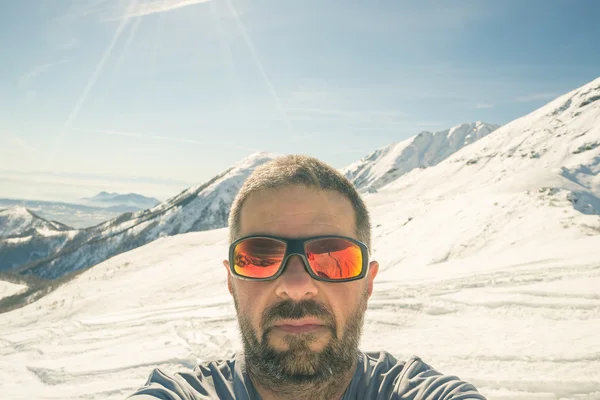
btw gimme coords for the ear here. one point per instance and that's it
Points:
(229, 279)
(373, 269)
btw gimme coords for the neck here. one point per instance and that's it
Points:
(332, 389)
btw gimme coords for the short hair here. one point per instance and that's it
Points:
(300, 170)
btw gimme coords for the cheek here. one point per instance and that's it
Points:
(344, 300)
(252, 299)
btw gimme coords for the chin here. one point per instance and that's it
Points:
(294, 342)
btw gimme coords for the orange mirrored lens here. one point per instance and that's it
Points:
(258, 257)
(334, 258)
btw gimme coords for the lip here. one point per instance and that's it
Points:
(304, 325)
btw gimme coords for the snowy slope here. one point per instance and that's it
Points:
(199, 208)
(524, 328)
(9, 288)
(423, 150)
(19, 221)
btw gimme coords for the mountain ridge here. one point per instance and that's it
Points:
(201, 207)
(423, 150)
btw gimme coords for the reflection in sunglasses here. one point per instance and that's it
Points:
(330, 258)
(243, 260)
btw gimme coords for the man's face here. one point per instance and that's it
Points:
(295, 323)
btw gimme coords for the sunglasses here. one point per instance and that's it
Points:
(326, 258)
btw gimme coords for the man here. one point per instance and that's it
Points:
(300, 276)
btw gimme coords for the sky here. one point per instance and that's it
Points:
(153, 96)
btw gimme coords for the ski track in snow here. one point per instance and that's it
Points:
(515, 345)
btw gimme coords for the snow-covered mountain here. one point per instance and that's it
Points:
(74, 215)
(199, 208)
(423, 150)
(25, 237)
(533, 184)
(489, 270)
(131, 200)
(19, 221)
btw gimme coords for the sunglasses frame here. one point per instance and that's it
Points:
(296, 247)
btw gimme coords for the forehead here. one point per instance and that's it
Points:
(297, 211)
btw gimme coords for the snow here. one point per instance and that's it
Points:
(515, 323)
(490, 270)
(9, 288)
(423, 150)
(17, 219)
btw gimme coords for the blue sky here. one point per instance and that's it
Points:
(153, 96)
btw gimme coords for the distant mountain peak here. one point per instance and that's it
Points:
(115, 200)
(20, 221)
(18, 210)
(257, 157)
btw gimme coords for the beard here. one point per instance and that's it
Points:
(292, 371)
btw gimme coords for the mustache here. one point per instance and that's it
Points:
(288, 309)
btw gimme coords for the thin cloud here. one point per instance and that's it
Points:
(81, 177)
(144, 150)
(67, 43)
(41, 185)
(27, 78)
(358, 115)
(113, 10)
(306, 136)
(137, 135)
(21, 143)
(349, 113)
(372, 128)
(318, 96)
(250, 149)
(484, 105)
(349, 151)
(159, 6)
(114, 133)
(175, 139)
(536, 97)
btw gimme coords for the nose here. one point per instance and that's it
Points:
(295, 283)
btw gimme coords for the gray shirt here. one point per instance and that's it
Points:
(378, 376)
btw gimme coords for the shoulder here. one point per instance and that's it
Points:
(387, 378)
(209, 380)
